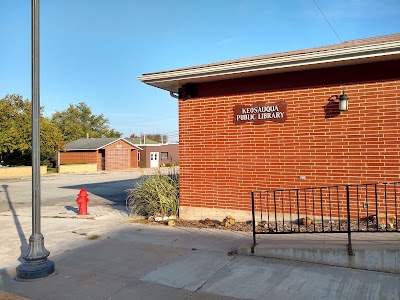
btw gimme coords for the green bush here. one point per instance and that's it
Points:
(155, 194)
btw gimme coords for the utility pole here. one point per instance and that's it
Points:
(36, 264)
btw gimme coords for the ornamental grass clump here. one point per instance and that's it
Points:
(156, 194)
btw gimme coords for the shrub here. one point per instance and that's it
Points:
(155, 194)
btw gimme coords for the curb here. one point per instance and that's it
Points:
(381, 260)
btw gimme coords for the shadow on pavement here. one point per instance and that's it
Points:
(24, 244)
(71, 208)
(113, 192)
(22, 237)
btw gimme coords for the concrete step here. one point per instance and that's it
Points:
(372, 251)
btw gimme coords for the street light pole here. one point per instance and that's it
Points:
(36, 264)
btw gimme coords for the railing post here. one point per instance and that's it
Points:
(349, 246)
(254, 222)
(376, 208)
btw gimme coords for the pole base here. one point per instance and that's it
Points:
(29, 271)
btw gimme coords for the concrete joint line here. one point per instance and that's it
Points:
(123, 287)
(172, 242)
(199, 288)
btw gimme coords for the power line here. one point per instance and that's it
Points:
(328, 21)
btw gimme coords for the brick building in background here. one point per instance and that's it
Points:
(273, 122)
(153, 154)
(108, 153)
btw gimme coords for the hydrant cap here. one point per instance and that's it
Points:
(83, 193)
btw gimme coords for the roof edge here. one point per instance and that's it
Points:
(173, 79)
(105, 145)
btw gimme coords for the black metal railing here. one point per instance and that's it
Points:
(334, 209)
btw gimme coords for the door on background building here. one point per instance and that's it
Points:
(153, 159)
(103, 159)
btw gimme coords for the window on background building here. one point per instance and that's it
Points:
(138, 156)
(164, 155)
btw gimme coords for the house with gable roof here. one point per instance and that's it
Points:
(108, 153)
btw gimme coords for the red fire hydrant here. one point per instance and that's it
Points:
(82, 200)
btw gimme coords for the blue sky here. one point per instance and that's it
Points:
(93, 50)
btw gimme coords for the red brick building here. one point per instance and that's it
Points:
(225, 152)
(108, 153)
(153, 154)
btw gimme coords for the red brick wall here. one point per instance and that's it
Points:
(89, 157)
(221, 163)
(117, 159)
(143, 158)
(171, 149)
(173, 153)
(118, 156)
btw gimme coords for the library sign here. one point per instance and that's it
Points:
(260, 112)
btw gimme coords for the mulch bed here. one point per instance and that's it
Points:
(278, 227)
(238, 226)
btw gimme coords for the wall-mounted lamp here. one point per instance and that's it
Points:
(343, 101)
(185, 92)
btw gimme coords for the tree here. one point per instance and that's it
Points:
(157, 137)
(16, 133)
(77, 121)
(15, 127)
(51, 141)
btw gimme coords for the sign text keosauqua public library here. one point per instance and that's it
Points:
(260, 112)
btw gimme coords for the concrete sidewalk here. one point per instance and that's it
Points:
(135, 261)
(370, 251)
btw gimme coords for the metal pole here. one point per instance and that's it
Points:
(254, 222)
(36, 264)
(349, 246)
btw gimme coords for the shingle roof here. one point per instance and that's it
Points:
(343, 45)
(92, 143)
(347, 53)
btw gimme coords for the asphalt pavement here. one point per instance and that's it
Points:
(105, 188)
